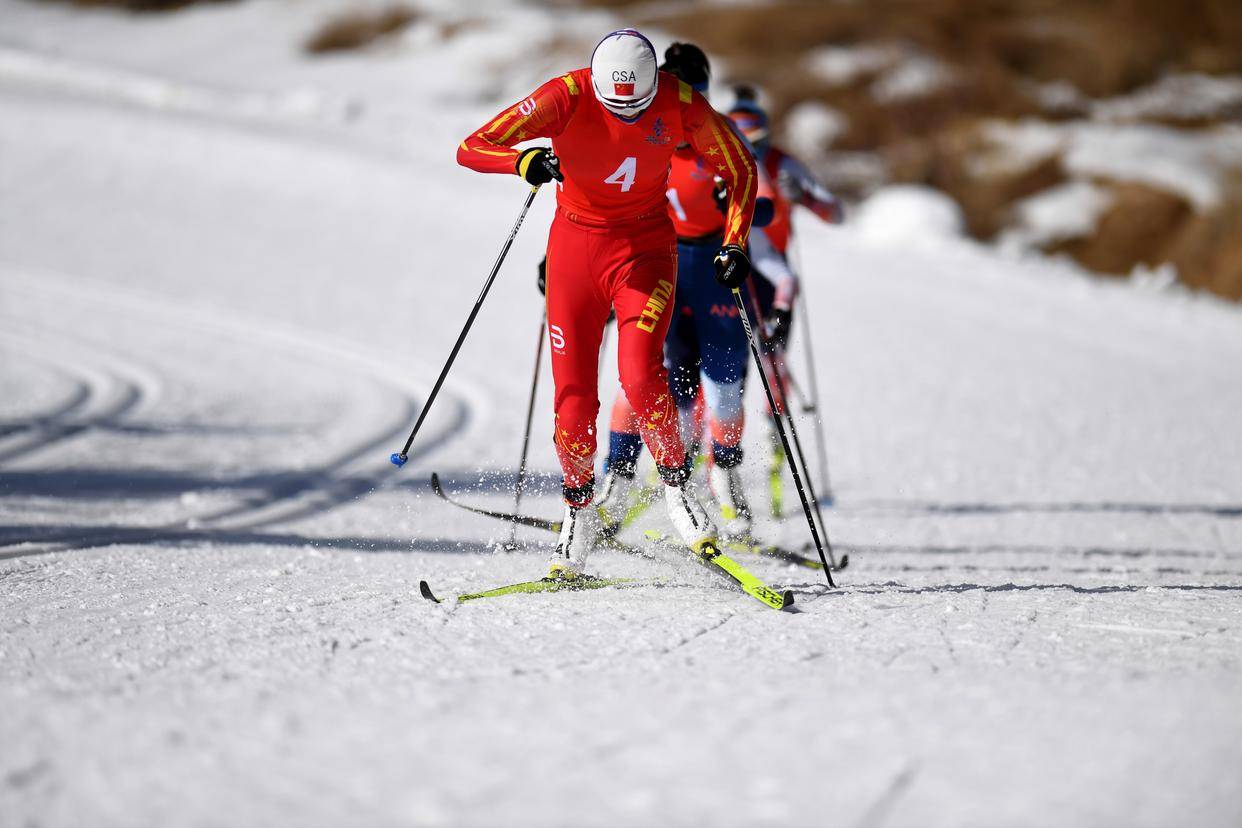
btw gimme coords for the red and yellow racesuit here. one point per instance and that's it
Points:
(612, 244)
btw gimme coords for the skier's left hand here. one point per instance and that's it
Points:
(732, 266)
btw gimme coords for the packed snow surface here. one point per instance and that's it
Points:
(219, 315)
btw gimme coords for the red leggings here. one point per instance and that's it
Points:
(631, 267)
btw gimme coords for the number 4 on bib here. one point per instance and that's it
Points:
(624, 174)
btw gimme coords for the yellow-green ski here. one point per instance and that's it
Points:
(542, 585)
(709, 554)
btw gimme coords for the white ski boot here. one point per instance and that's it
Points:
(580, 530)
(734, 509)
(688, 516)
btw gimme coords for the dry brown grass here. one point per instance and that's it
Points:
(140, 5)
(1208, 249)
(1138, 227)
(999, 53)
(358, 29)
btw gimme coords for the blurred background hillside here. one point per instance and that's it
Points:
(1108, 131)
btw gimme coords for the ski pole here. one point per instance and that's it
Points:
(804, 402)
(780, 428)
(530, 416)
(821, 442)
(793, 432)
(782, 382)
(399, 458)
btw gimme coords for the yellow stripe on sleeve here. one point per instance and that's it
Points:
(684, 91)
(516, 124)
(504, 116)
(742, 154)
(736, 223)
(571, 83)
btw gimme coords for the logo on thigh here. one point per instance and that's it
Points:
(656, 303)
(557, 338)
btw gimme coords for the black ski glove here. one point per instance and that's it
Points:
(779, 321)
(542, 281)
(732, 266)
(539, 165)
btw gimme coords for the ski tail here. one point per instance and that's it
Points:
(778, 553)
(526, 587)
(553, 526)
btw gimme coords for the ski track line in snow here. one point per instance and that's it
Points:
(107, 390)
(79, 410)
(327, 489)
(878, 812)
(349, 474)
(71, 402)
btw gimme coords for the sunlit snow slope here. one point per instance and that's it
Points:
(228, 278)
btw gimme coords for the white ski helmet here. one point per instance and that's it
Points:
(623, 72)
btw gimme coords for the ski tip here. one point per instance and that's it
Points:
(424, 589)
(435, 484)
(397, 459)
(788, 597)
(845, 561)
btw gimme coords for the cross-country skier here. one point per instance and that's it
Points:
(795, 185)
(614, 127)
(706, 339)
(776, 284)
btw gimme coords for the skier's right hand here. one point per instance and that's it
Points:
(539, 165)
(542, 281)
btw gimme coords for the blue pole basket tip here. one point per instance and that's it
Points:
(398, 460)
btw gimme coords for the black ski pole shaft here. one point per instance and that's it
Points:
(809, 350)
(804, 402)
(530, 417)
(786, 412)
(814, 383)
(399, 459)
(780, 428)
(797, 442)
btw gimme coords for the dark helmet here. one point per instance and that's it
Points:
(749, 117)
(687, 62)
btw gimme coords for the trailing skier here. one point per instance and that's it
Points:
(614, 128)
(776, 284)
(705, 351)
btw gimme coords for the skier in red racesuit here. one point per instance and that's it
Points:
(614, 127)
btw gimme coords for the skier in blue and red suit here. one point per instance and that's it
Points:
(706, 340)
